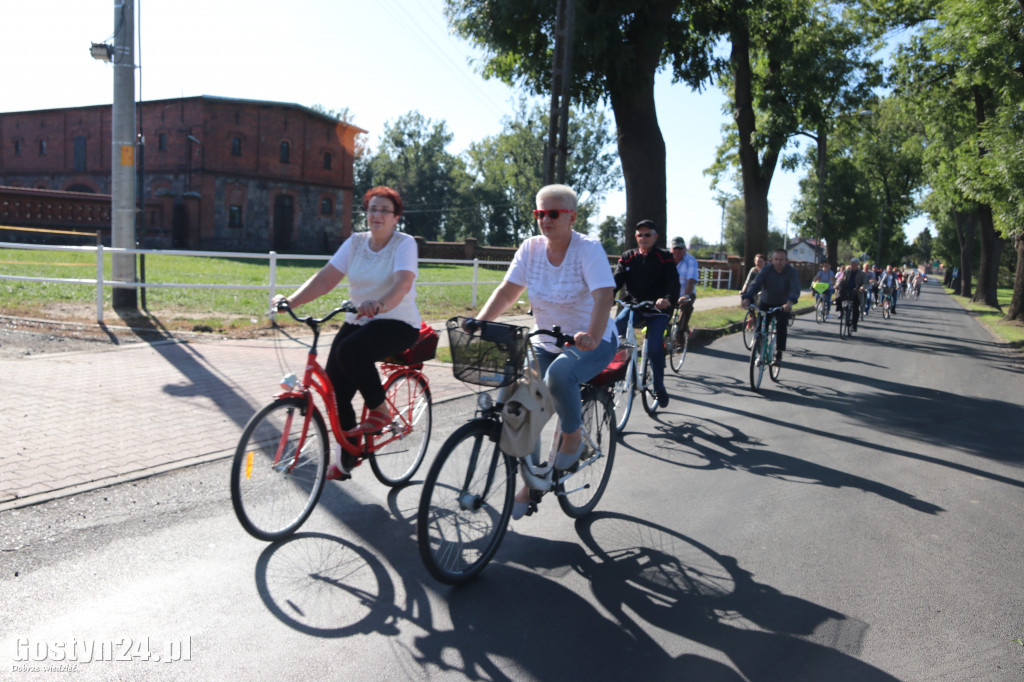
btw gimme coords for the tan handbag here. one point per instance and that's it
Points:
(524, 414)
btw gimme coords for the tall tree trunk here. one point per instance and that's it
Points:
(991, 251)
(757, 174)
(1016, 309)
(642, 154)
(965, 222)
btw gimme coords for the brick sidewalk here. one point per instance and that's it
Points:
(79, 421)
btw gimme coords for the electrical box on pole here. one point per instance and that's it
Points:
(122, 167)
(557, 149)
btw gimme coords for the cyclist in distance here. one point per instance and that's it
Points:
(648, 273)
(689, 271)
(849, 289)
(889, 283)
(381, 266)
(759, 263)
(827, 276)
(571, 285)
(779, 285)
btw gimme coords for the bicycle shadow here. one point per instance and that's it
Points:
(675, 583)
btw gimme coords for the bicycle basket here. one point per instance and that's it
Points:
(492, 354)
(820, 287)
(424, 349)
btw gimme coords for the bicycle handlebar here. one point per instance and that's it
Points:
(647, 307)
(313, 322)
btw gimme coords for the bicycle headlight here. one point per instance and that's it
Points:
(484, 402)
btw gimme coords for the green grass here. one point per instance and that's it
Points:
(993, 318)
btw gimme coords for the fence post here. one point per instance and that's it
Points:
(476, 270)
(273, 279)
(99, 283)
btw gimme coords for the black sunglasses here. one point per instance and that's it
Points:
(552, 213)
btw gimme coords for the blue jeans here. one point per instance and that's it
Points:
(564, 372)
(655, 334)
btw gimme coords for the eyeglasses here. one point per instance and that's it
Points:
(379, 211)
(552, 213)
(644, 235)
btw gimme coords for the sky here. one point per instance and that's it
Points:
(379, 58)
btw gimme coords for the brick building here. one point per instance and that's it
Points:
(216, 173)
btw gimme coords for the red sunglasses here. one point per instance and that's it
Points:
(552, 213)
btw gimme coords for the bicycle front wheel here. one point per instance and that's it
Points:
(677, 347)
(647, 394)
(844, 321)
(819, 311)
(769, 354)
(749, 324)
(399, 450)
(756, 364)
(623, 392)
(278, 473)
(465, 504)
(584, 485)
(886, 309)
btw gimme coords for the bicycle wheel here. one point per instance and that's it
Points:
(791, 320)
(844, 321)
(886, 309)
(623, 392)
(756, 364)
(580, 493)
(749, 323)
(398, 452)
(274, 483)
(465, 504)
(769, 353)
(819, 311)
(676, 349)
(647, 394)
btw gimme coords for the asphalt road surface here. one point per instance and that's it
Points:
(860, 520)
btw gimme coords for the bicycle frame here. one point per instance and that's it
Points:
(315, 380)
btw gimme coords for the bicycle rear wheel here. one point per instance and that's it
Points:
(465, 504)
(275, 483)
(580, 493)
(647, 393)
(399, 450)
(623, 392)
(756, 364)
(749, 324)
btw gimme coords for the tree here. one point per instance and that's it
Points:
(508, 171)
(922, 247)
(617, 47)
(610, 232)
(793, 66)
(412, 159)
(735, 226)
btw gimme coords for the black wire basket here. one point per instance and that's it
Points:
(486, 353)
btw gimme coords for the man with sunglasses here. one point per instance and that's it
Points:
(648, 273)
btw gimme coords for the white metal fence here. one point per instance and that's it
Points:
(714, 278)
(270, 287)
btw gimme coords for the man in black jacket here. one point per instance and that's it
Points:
(648, 273)
(779, 284)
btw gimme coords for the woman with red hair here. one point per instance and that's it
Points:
(381, 266)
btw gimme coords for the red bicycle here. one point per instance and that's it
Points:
(280, 465)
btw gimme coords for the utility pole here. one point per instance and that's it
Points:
(122, 159)
(557, 149)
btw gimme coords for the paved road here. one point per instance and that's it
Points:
(858, 521)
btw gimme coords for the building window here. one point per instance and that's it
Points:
(234, 216)
(286, 152)
(42, 147)
(17, 147)
(161, 142)
(236, 146)
(327, 160)
(79, 153)
(326, 206)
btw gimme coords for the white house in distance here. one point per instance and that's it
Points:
(804, 249)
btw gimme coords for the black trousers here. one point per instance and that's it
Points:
(351, 363)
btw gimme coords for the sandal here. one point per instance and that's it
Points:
(374, 423)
